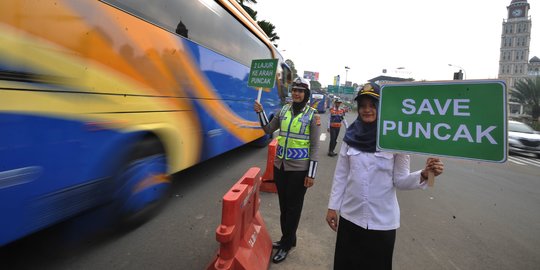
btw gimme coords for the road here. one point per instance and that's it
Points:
(477, 216)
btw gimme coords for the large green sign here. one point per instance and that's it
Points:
(263, 73)
(465, 119)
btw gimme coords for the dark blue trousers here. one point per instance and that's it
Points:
(334, 133)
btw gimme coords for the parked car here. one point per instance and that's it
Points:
(523, 139)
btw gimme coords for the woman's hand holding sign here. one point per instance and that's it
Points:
(434, 167)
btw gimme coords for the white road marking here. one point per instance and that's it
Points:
(323, 137)
(524, 161)
(511, 159)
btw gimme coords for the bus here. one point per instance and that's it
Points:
(319, 102)
(101, 101)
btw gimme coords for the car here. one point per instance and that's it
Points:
(523, 139)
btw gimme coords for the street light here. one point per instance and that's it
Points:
(464, 72)
(346, 72)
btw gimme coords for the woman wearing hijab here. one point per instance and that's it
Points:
(295, 165)
(364, 191)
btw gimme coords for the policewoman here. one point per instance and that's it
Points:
(295, 165)
(337, 115)
(364, 189)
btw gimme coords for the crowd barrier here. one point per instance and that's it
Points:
(244, 240)
(268, 184)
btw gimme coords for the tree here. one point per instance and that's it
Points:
(315, 85)
(249, 10)
(241, 2)
(294, 72)
(266, 26)
(527, 92)
(252, 13)
(269, 28)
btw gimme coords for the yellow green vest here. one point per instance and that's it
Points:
(293, 139)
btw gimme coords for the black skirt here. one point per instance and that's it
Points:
(359, 248)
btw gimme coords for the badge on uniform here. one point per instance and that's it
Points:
(318, 120)
(305, 119)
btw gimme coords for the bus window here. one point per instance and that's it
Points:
(205, 21)
(284, 80)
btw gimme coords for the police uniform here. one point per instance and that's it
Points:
(296, 158)
(298, 140)
(337, 115)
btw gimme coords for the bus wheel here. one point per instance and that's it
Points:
(143, 183)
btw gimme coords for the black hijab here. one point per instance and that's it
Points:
(361, 135)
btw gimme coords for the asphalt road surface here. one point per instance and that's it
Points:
(477, 216)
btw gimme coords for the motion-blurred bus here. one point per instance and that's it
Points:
(100, 101)
(319, 102)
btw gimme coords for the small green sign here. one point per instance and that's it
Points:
(263, 73)
(347, 90)
(333, 89)
(340, 89)
(464, 119)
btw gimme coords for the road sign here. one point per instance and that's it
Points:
(333, 89)
(347, 90)
(263, 73)
(465, 119)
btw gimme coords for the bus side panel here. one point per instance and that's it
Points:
(53, 168)
(81, 81)
(229, 80)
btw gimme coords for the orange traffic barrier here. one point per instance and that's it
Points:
(244, 240)
(268, 184)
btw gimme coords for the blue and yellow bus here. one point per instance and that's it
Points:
(100, 101)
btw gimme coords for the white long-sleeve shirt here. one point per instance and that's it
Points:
(365, 184)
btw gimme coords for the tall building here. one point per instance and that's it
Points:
(514, 63)
(515, 41)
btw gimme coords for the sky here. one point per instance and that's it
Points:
(408, 38)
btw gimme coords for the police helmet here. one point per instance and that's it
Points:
(301, 83)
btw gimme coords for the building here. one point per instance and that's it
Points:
(514, 63)
(515, 41)
(381, 80)
(534, 66)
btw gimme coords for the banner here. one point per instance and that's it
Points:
(310, 75)
(336, 80)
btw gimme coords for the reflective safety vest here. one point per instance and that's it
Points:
(336, 116)
(293, 139)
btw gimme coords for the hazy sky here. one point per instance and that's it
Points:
(423, 36)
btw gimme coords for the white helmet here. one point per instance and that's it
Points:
(300, 83)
